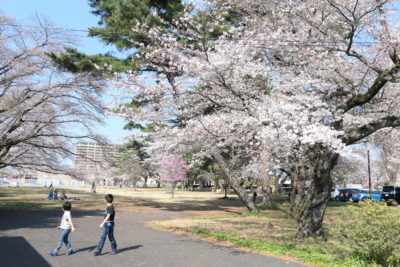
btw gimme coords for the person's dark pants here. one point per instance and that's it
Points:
(108, 229)
(64, 238)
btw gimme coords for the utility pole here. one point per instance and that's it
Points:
(369, 175)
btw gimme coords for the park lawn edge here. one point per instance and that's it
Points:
(288, 252)
(209, 239)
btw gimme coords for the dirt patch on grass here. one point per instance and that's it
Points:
(267, 226)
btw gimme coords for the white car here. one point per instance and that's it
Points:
(335, 194)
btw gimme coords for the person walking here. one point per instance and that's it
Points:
(66, 227)
(108, 227)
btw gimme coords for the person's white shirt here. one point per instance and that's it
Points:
(64, 220)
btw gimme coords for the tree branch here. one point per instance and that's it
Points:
(379, 83)
(357, 134)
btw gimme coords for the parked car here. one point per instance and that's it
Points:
(345, 194)
(390, 192)
(335, 193)
(363, 195)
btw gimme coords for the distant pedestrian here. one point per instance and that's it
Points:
(254, 194)
(66, 227)
(93, 187)
(108, 227)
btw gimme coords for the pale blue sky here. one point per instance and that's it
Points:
(71, 14)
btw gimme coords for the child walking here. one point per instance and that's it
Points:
(108, 227)
(66, 227)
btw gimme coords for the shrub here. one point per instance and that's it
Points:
(372, 229)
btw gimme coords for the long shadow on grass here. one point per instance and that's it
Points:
(228, 205)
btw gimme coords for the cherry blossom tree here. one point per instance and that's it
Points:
(305, 79)
(43, 111)
(174, 110)
(172, 169)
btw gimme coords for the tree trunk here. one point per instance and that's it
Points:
(216, 185)
(278, 185)
(309, 208)
(266, 195)
(239, 190)
(264, 184)
(264, 189)
(145, 181)
(191, 184)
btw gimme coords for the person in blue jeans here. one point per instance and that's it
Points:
(66, 227)
(108, 227)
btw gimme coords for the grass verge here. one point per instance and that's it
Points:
(307, 254)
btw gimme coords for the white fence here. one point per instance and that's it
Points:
(44, 182)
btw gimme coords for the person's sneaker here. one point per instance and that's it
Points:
(112, 252)
(52, 252)
(69, 252)
(96, 253)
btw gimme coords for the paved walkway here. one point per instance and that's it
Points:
(26, 236)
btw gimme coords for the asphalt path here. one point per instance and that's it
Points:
(26, 236)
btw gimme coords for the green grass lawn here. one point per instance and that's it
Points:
(124, 199)
(35, 198)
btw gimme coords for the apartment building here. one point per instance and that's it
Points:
(93, 160)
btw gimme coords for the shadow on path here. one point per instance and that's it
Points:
(85, 249)
(18, 251)
(129, 248)
(91, 248)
